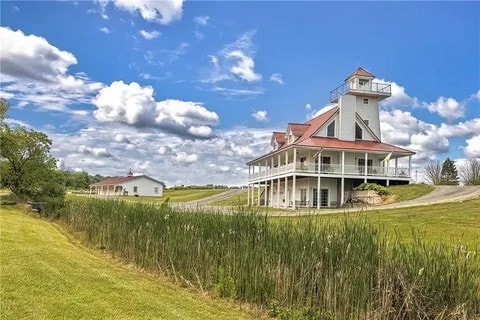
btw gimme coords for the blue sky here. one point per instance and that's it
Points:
(190, 91)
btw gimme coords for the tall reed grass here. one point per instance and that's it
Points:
(318, 269)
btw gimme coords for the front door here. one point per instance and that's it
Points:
(303, 197)
(323, 197)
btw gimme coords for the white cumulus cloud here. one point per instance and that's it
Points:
(36, 73)
(260, 115)
(277, 77)
(135, 105)
(149, 35)
(163, 12)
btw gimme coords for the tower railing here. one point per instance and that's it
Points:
(359, 85)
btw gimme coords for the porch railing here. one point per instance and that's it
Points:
(331, 169)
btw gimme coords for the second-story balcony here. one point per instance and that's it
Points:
(331, 170)
(359, 86)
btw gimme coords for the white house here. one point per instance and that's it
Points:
(130, 185)
(318, 163)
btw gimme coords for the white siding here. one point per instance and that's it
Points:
(347, 117)
(145, 187)
(369, 112)
(323, 130)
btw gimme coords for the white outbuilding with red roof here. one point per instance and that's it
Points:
(318, 163)
(140, 185)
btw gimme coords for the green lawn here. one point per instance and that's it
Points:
(236, 200)
(408, 192)
(175, 195)
(453, 223)
(44, 274)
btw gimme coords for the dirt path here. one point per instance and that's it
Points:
(441, 194)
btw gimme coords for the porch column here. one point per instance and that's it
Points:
(366, 167)
(258, 194)
(294, 182)
(286, 157)
(294, 159)
(396, 166)
(410, 166)
(266, 168)
(318, 179)
(286, 193)
(265, 194)
(271, 192)
(294, 187)
(279, 160)
(342, 184)
(278, 192)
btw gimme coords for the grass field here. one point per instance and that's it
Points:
(453, 223)
(408, 192)
(322, 266)
(174, 195)
(44, 274)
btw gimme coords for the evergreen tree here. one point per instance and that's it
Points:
(449, 174)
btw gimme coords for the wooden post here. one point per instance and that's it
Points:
(278, 192)
(286, 193)
(342, 191)
(366, 167)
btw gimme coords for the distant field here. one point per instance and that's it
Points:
(44, 274)
(174, 195)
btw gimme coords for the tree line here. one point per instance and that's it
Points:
(28, 169)
(449, 173)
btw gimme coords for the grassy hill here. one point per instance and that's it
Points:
(452, 223)
(44, 274)
(174, 195)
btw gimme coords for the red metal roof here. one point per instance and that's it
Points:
(298, 128)
(364, 145)
(279, 137)
(115, 180)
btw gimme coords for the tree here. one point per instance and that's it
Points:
(433, 172)
(449, 174)
(470, 172)
(27, 168)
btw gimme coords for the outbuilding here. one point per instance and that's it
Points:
(140, 185)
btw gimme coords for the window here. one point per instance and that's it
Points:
(135, 189)
(365, 100)
(358, 131)
(366, 121)
(331, 129)
(362, 82)
(155, 190)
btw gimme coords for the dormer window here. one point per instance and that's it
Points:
(290, 138)
(358, 132)
(331, 129)
(365, 100)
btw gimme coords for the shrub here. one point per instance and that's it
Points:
(381, 190)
